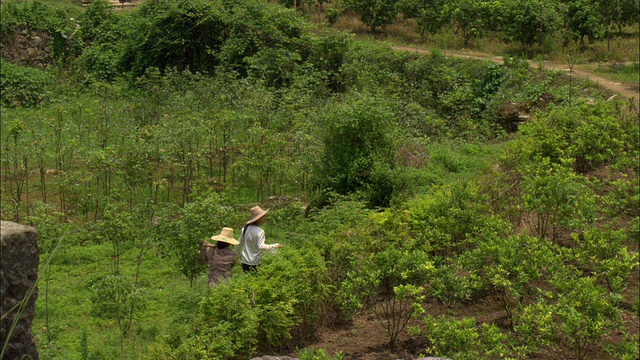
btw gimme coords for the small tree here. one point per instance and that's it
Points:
(374, 13)
(556, 197)
(356, 135)
(391, 284)
(429, 14)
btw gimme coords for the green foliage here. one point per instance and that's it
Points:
(371, 67)
(357, 135)
(468, 17)
(450, 219)
(459, 92)
(374, 13)
(464, 339)
(603, 251)
(530, 22)
(583, 19)
(226, 325)
(579, 317)
(260, 311)
(557, 198)
(23, 86)
(511, 267)
(390, 282)
(177, 231)
(332, 15)
(50, 17)
(317, 354)
(118, 298)
(429, 14)
(179, 34)
(451, 284)
(588, 134)
(210, 106)
(94, 19)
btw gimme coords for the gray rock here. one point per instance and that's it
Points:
(18, 277)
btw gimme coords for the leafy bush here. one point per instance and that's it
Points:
(332, 15)
(391, 283)
(463, 339)
(226, 325)
(450, 219)
(356, 135)
(259, 311)
(23, 86)
(177, 231)
(452, 284)
(317, 354)
(511, 267)
(557, 198)
(603, 251)
(580, 316)
(588, 134)
(51, 17)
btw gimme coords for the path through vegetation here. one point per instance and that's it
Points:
(579, 71)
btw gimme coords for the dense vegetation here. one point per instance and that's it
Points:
(397, 182)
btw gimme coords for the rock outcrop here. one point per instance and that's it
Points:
(18, 276)
(27, 48)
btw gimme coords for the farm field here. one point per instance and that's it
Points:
(443, 191)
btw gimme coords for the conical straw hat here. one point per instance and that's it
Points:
(226, 235)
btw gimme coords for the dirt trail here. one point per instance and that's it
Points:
(624, 90)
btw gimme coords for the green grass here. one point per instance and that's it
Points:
(624, 73)
(70, 306)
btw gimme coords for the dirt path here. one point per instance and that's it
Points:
(626, 91)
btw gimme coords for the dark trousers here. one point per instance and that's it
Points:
(250, 268)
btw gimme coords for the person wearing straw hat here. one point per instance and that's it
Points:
(221, 258)
(252, 240)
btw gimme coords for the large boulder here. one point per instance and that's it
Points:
(18, 277)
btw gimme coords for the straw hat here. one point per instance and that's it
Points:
(256, 214)
(226, 235)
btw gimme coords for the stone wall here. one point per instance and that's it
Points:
(27, 48)
(18, 274)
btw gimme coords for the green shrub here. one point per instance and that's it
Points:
(574, 321)
(332, 15)
(557, 198)
(23, 86)
(49, 16)
(318, 354)
(511, 267)
(260, 311)
(177, 231)
(450, 218)
(226, 325)
(604, 252)
(451, 284)
(589, 134)
(289, 295)
(391, 283)
(356, 134)
(464, 339)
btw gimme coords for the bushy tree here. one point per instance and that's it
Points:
(557, 198)
(578, 317)
(357, 135)
(429, 14)
(531, 22)
(374, 13)
(583, 19)
(392, 283)
(468, 17)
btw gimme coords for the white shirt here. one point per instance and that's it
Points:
(253, 246)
